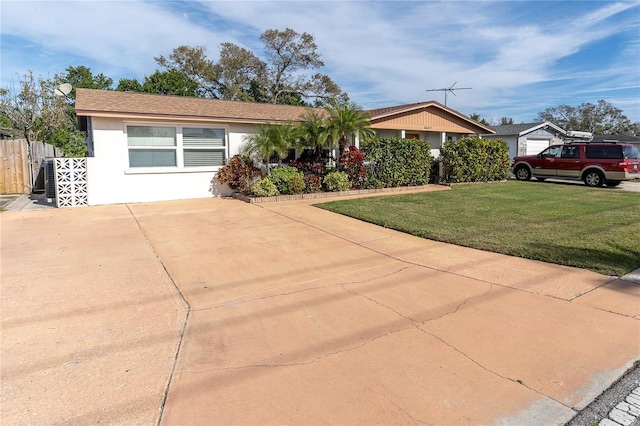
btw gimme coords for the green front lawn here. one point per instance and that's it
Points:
(567, 224)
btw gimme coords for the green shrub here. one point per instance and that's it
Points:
(337, 181)
(288, 180)
(397, 162)
(374, 183)
(471, 159)
(69, 141)
(239, 173)
(264, 188)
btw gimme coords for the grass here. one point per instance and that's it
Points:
(567, 224)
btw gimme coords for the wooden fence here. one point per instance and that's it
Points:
(16, 177)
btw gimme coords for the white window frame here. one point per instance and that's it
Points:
(165, 148)
(179, 148)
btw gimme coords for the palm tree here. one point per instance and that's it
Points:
(259, 145)
(284, 138)
(312, 132)
(269, 139)
(344, 120)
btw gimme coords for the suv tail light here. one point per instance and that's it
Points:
(623, 165)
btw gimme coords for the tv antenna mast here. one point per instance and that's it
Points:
(449, 89)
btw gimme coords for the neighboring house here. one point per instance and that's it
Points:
(145, 147)
(528, 138)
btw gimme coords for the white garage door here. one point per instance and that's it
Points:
(534, 146)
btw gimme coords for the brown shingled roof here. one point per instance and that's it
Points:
(108, 103)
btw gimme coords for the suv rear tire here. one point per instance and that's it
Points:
(593, 178)
(523, 173)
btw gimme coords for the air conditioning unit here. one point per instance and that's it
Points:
(50, 179)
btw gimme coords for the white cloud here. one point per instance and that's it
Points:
(517, 56)
(123, 36)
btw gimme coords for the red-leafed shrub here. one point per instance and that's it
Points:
(352, 163)
(313, 171)
(239, 173)
(313, 183)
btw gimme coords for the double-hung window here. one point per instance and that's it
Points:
(180, 147)
(203, 146)
(152, 146)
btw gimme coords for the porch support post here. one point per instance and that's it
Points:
(402, 134)
(356, 141)
(443, 138)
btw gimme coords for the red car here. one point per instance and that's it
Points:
(594, 163)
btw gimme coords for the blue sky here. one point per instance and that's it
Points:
(519, 57)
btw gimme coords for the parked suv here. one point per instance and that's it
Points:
(594, 163)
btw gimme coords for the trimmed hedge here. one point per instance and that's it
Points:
(397, 162)
(471, 159)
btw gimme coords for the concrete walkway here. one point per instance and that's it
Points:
(219, 312)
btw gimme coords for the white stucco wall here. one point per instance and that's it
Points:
(112, 181)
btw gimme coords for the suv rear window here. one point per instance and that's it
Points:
(613, 152)
(630, 151)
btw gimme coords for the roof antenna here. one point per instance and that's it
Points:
(449, 89)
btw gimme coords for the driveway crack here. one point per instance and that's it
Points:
(495, 373)
(185, 321)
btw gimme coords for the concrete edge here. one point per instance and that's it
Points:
(633, 276)
(320, 195)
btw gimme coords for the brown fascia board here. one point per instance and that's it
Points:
(382, 113)
(182, 118)
(102, 103)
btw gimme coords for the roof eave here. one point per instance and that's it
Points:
(177, 117)
(543, 125)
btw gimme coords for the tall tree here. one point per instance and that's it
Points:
(34, 112)
(170, 82)
(193, 62)
(505, 121)
(287, 53)
(82, 76)
(239, 74)
(476, 117)
(601, 119)
(129, 85)
(283, 77)
(344, 120)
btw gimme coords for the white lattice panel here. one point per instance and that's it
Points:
(71, 182)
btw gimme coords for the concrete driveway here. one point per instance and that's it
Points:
(219, 312)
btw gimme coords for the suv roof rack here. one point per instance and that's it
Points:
(588, 142)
